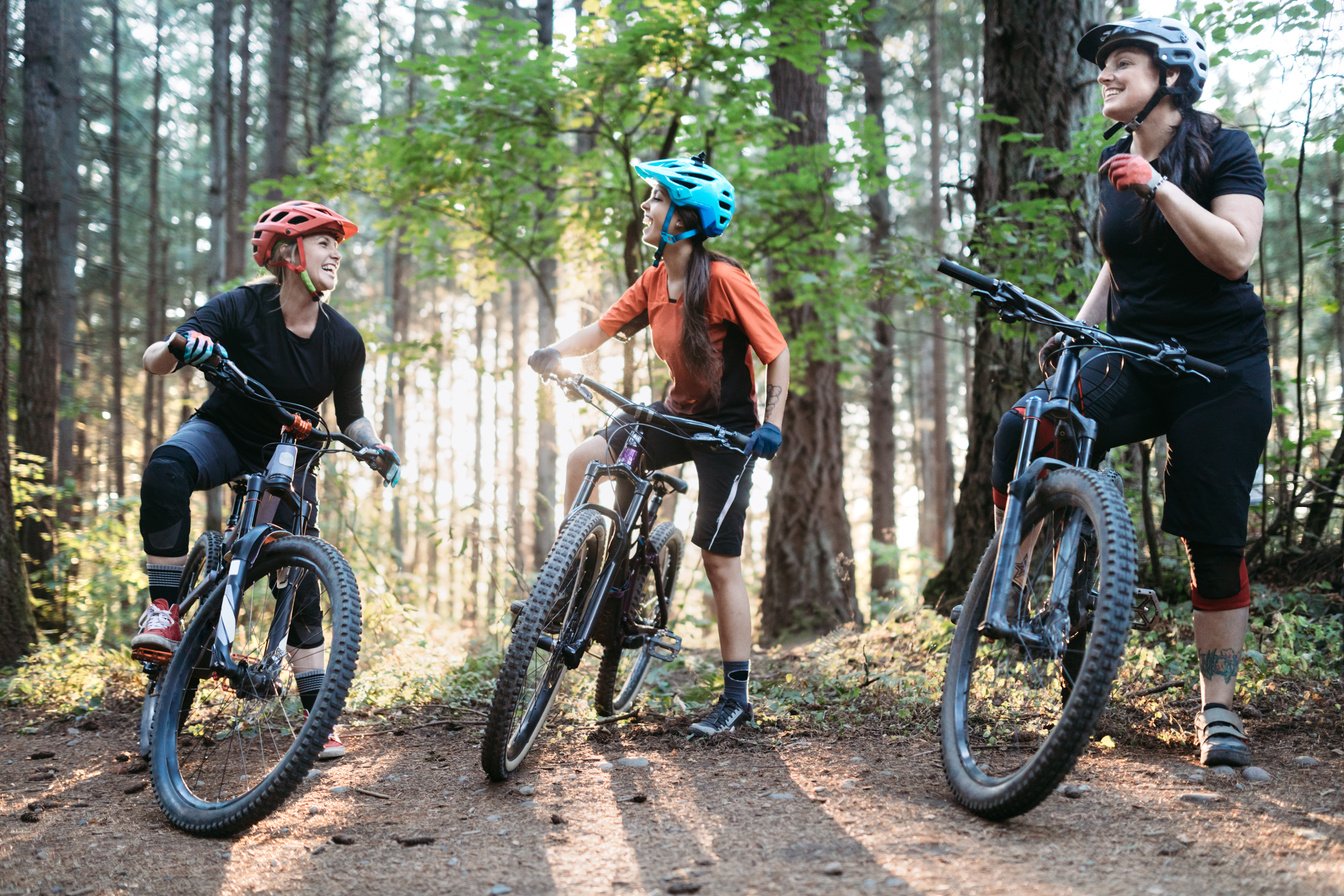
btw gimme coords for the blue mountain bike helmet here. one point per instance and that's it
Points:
(690, 183)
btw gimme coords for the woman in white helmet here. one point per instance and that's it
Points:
(1182, 206)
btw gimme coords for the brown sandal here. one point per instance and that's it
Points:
(1222, 739)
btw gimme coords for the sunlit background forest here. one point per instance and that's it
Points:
(485, 150)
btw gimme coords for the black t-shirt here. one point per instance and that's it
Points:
(247, 321)
(1160, 290)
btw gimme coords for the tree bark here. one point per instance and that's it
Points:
(275, 162)
(39, 295)
(808, 586)
(18, 630)
(883, 571)
(1032, 73)
(116, 453)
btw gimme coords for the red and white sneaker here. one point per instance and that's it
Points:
(333, 748)
(160, 627)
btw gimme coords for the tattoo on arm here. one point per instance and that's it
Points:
(772, 397)
(362, 432)
(1221, 663)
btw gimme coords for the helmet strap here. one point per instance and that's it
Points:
(1133, 126)
(666, 238)
(300, 267)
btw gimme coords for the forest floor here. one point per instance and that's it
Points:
(634, 808)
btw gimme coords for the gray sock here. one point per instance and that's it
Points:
(736, 674)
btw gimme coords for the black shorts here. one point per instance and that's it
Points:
(1215, 436)
(724, 481)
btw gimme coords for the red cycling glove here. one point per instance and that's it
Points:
(1127, 171)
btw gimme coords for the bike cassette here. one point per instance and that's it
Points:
(664, 645)
(1146, 609)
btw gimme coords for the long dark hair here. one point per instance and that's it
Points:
(696, 348)
(1185, 160)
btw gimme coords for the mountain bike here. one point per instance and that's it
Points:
(276, 614)
(1043, 626)
(607, 581)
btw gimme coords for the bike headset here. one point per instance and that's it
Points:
(294, 220)
(690, 183)
(1173, 45)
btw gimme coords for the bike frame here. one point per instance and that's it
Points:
(632, 526)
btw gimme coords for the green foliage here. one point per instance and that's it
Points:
(69, 677)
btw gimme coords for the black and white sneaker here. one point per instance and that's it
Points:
(724, 717)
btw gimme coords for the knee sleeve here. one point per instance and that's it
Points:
(165, 502)
(1218, 577)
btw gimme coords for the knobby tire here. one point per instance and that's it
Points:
(222, 759)
(1014, 723)
(530, 674)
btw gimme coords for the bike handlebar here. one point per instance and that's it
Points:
(1013, 304)
(581, 387)
(223, 372)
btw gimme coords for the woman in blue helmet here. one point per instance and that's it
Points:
(707, 320)
(1182, 206)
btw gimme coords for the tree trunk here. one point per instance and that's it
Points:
(808, 585)
(67, 475)
(154, 300)
(935, 447)
(116, 454)
(275, 158)
(39, 296)
(547, 454)
(18, 630)
(1032, 73)
(883, 569)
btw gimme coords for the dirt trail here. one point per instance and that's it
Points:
(638, 810)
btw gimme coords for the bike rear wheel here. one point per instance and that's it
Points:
(1016, 718)
(206, 555)
(529, 677)
(226, 753)
(626, 658)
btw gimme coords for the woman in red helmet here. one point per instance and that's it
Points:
(707, 319)
(1182, 206)
(279, 332)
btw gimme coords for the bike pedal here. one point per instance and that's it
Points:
(151, 655)
(664, 645)
(1146, 609)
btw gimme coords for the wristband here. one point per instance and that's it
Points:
(1157, 181)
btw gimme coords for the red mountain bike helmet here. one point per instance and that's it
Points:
(291, 220)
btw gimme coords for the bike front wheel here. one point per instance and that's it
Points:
(227, 750)
(1017, 711)
(206, 556)
(529, 677)
(626, 658)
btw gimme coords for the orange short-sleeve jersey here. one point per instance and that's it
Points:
(738, 325)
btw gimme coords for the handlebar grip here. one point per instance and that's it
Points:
(739, 439)
(967, 276)
(1208, 368)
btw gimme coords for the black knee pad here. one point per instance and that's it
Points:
(1217, 576)
(165, 501)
